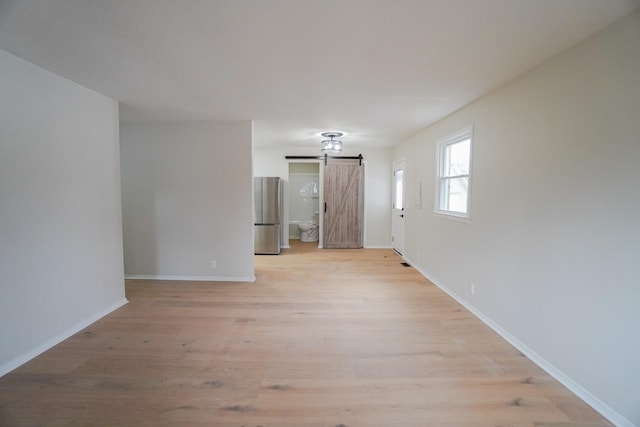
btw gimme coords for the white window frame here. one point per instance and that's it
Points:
(441, 145)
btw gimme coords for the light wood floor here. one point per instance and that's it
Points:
(322, 338)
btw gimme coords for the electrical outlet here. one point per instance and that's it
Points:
(214, 263)
(473, 289)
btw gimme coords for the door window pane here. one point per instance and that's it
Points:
(399, 178)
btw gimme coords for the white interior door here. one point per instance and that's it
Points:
(398, 205)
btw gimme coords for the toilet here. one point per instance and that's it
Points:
(308, 232)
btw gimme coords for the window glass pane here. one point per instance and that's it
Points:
(454, 194)
(398, 189)
(456, 158)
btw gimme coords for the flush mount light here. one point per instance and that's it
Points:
(332, 145)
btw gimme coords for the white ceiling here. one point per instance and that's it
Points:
(380, 70)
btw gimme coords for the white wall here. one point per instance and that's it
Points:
(187, 200)
(553, 245)
(60, 219)
(270, 161)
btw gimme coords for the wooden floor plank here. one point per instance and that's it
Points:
(322, 338)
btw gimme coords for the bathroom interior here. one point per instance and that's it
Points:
(304, 201)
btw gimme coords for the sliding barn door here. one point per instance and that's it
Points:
(344, 203)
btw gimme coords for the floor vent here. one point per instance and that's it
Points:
(406, 264)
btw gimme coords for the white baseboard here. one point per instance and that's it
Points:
(24, 358)
(191, 278)
(591, 400)
(376, 247)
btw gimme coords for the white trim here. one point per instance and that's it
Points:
(573, 386)
(377, 247)
(191, 278)
(364, 202)
(286, 202)
(321, 205)
(57, 339)
(456, 177)
(303, 160)
(452, 216)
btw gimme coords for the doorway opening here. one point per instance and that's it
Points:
(304, 195)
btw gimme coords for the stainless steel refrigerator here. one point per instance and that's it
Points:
(266, 220)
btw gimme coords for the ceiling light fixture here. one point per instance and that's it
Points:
(332, 145)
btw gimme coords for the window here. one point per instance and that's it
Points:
(454, 172)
